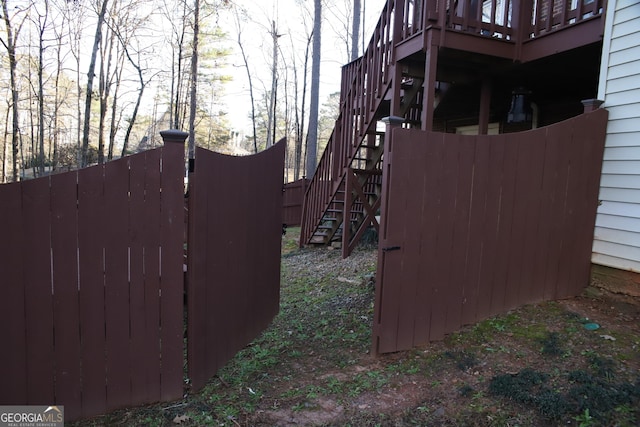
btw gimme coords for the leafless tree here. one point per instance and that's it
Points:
(300, 111)
(245, 59)
(355, 32)
(9, 43)
(312, 134)
(194, 84)
(90, 76)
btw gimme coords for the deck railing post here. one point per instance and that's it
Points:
(522, 15)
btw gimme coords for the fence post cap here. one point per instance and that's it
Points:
(392, 120)
(591, 104)
(174, 135)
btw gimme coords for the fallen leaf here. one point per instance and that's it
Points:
(179, 419)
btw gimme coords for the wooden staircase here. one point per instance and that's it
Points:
(343, 198)
(357, 198)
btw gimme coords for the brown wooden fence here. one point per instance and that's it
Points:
(293, 198)
(474, 226)
(235, 232)
(92, 281)
(91, 305)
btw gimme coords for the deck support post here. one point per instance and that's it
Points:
(485, 106)
(430, 71)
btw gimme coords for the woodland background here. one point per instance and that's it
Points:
(87, 81)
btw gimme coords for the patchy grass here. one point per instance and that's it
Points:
(534, 366)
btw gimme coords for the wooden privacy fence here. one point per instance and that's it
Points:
(235, 233)
(92, 281)
(293, 198)
(91, 271)
(473, 226)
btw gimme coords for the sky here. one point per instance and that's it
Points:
(258, 45)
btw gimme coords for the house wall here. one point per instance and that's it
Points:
(617, 233)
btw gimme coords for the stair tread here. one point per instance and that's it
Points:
(369, 171)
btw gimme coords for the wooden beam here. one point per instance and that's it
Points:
(485, 106)
(430, 72)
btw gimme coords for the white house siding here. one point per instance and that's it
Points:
(617, 233)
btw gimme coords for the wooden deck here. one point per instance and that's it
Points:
(441, 65)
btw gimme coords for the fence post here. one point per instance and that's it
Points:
(173, 135)
(591, 104)
(391, 122)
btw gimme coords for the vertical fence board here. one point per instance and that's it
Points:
(449, 292)
(464, 149)
(532, 147)
(151, 236)
(91, 216)
(196, 289)
(473, 277)
(516, 239)
(505, 203)
(571, 217)
(487, 285)
(429, 216)
(172, 289)
(38, 290)
(116, 261)
(554, 186)
(64, 232)
(137, 308)
(36, 258)
(13, 245)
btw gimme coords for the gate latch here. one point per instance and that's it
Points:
(390, 248)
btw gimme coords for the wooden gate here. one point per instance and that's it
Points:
(473, 226)
(235, 232)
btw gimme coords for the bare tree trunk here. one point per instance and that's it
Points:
(43, 25)
(9, 44)
(251, 95)
(5, 139)
(103, 93)
(312, 135)
(300, 117)
(194, 86)
(113, 129)
(57, 103)
(90, 76)
(271, 119)
(176, 77)
(143, 85)
(32, 137)
(355, 33)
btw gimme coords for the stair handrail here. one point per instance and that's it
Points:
(365, 82)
